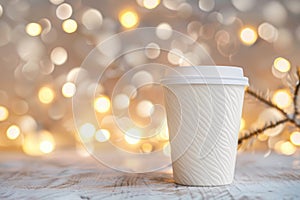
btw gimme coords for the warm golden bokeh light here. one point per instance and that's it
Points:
(102, 104)
(146, 147)
(13, 132)
(262, 137)
(36, 144)
(68, 90)
(132, 136)
(128, 18)
(282, 98)
(151, 4)
(295, 138)
(248, 36)
(46, 146)
(33, 29)
(102, 135)
(69, 26)
(242, 124)
(46, 95)
(287, 148)
(3, 113)
(282, 64)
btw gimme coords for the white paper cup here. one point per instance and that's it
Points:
(204, 106)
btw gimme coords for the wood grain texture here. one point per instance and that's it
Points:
(65, 175)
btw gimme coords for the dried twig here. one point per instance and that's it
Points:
(261, 130)
(296, 112)
(292, 118)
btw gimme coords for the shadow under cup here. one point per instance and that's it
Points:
(204, 106)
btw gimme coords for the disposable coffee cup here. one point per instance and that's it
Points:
(204, 106)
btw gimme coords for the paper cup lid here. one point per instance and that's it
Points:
(205, 75)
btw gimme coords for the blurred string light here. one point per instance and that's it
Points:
(87, 132)
(164, 31)
(248, 36)
(46, 146)
(282, 64)
(59, 55)
(64, 11)
(68, 90)
(144, 108)
(152, 50)
(263, 137)
(132, 136)
(102, 135)
(33, 29)
(102, 104)
(242, 124)
(287, 148)
(92, 19)
(151, 4)
(40, 143)
(128, 18)
(13, 132)
(121, 101)
(206, 5)
(3, 113)
(282, 98)
(1, 10)
(268, 32)
(146, 147)
(295, 138)
(46, 95)
(56, 2)
(69, 26)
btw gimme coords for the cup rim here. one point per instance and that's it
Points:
(205, 74)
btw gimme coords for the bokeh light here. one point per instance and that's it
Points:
(68, 90)
(64, 11)
(33, 29)
(282, 98)
(248, 36)
(46, 95)
(206, 5)
(38, 143)
(102, 104)
(151, 4)
(102, 135)
(128, 18)
(132, 136)
(3, 113)
(69, 26)
(295, 138)
(92, 19)
(121, 101)
(13, 132)
(59, 55)
(144, 108)
(46, 146)
(242, 124)
(164, 31)
(87, 132)
(282, 64)
(268, 32)
(146, 147)
(287, 148)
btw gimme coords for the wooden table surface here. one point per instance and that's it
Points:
(65, 175)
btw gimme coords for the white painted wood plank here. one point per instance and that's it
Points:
(64, 175)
